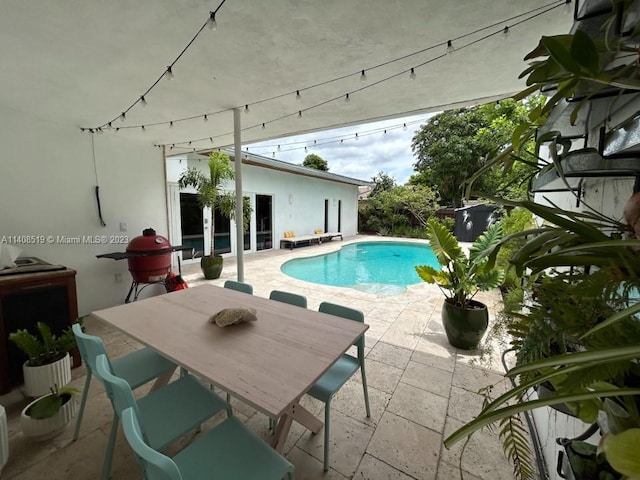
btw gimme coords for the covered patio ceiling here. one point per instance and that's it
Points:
(81, 63)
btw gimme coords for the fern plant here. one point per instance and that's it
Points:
(46, 347)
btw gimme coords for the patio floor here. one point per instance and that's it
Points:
(420, 389)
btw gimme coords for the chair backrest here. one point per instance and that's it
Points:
(118, 390)
(239, 286)
(349, 313)
(90, 347)
(290, 298)
(156, 465)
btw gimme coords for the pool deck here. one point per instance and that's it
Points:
(421, 389)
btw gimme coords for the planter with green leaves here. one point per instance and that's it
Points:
(49, 415)
(49, 362)
(210, 196)
(460, 277)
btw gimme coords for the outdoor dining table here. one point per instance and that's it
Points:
(269, 364)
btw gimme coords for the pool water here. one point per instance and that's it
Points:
(376, 267)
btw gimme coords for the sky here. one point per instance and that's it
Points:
(374, 151)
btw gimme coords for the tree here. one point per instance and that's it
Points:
(315, 161)
(383, 182)
(456, 144)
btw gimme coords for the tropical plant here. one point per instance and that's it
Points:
(45, 347)
(316, 162)
(48, 405)
(462, 276)
(210, 194)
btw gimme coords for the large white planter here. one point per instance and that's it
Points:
(39, 380)
(4, 438)
(46, 428)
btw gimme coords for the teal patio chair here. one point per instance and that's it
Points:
(341, 371)
(230, 451)
(290, 298)
(167, 414)
(136, 368)
(239, 286)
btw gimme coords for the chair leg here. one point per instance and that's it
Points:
(366, 391)
(83, 402)
(327, 418)
(108, 457)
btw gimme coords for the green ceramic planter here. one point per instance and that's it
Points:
(465, 327)
(211, 267)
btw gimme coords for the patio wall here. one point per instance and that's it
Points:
(47, 185)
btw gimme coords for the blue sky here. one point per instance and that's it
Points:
(372, 152)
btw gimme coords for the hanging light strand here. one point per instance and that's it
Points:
(536, 12)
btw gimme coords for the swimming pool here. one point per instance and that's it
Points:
(376, 267)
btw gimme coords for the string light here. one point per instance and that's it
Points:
(567, 6)
(412, 75)
(305, 150)
(212, 24)
(450, 48)
(298, 96)
(205, 118)
(530, 15)
(143, 129)
(263, 126)
(143, 101)
(211, 139)
(169, 73)
(505, 32)
(357, 137)
(299, 113)
(347, 99)
(123, 117)
(404, 127)
(246, 108)
(171, 124)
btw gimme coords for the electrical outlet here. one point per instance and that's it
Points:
(123, 227)
(118, 278)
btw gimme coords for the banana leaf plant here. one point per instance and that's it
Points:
(461, 276)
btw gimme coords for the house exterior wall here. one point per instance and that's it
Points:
(47, 188)
(298, 200)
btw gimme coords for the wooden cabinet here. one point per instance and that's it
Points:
(26, 299)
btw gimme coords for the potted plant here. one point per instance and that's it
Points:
(50, 414)
(460, 277)
(211, 196)
(48, 361)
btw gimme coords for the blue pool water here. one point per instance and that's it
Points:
(377, 267)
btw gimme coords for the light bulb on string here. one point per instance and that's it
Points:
(298, 96)
(567, 6)
(273, 154)
(305, 150)
(404, 127)
(246, 108)
(169, 73)
(171, 148)
(357, 137)
(109, 126)
(347, 99)
(211, 139)
(143, 101)
(123, 117)
(505, 32)
(412, 75)
(385, 131)
(278, 147)
(143, 129)
(211, 23)
(450, 48)
(205, 118)
(363, 76)
(299, 113)
(263, 126)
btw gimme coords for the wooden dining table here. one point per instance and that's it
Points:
(269, 364)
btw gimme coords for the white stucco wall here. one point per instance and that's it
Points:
(47, 183)
(298, 200)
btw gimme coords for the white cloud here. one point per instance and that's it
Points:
(373, 152)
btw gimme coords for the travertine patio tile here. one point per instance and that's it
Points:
(347, 443)
(380, 375)
(464, 405)
(427, 377)
(473, 379)
(350, 401)
(371, 468)
(259, 423)
(406, 446)
(483, 455)
(447, 471)
(307, 466)
(390, 354)
(419, 406)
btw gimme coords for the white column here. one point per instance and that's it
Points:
(237, 154)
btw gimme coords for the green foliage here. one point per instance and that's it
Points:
(316, 162)
(397, 210)
(46, 347)
(514, 221)
(48, 405)
(209, 190)
(383, 182)
(462, 276)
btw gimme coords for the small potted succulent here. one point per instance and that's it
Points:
(460, 277)
(49, 362)
(50, 414)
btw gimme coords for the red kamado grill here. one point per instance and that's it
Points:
(149, 257)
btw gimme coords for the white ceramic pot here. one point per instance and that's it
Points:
(39, 380)
(46, 428)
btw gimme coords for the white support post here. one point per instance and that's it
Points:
(237, 154)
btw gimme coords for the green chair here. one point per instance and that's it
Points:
(136, 368)
(290, 298)
(230, 451)
(167, 414)
(341, 371)
(239, 286)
